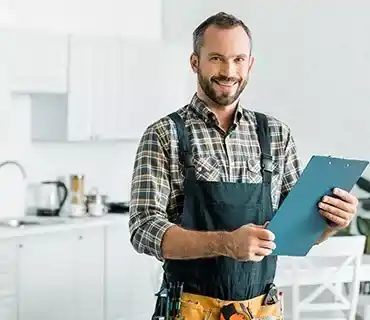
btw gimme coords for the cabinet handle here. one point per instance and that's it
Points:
(80, 237)
(20, 245)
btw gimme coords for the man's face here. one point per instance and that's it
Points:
(224, 64)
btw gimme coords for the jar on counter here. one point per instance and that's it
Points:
(77, 195)
(96, 203)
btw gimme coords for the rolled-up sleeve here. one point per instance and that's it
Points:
(150, 191)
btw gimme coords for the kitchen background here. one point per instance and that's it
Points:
(81, 79)
(311, 71)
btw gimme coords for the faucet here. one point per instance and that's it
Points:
(16, 163)
(14, 222)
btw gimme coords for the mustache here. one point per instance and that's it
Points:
(226, 79)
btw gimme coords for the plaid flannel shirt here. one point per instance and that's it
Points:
(157, 182)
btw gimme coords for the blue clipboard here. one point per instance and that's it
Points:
(297, 224)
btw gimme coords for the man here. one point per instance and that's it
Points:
(208, 178)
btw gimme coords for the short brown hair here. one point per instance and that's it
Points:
(222, 20)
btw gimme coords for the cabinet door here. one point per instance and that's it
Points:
(143, 87)
(131, 279)
(89, 274)
(8, 308)
(119, 282)
(40, 62)
(46, 287)
(8, 279)
(80, 96)
(108, 105)
(6, 54)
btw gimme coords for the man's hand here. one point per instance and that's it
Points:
(339, 211)
(251, 243)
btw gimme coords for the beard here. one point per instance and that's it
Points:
(221, 98)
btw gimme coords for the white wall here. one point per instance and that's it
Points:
(312, 70)
(105, 165)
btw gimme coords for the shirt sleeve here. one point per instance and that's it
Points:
(292, 168)
(150, 191)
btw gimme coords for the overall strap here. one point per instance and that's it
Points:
(264, 140)
(185, 154)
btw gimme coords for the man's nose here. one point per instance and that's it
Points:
(228, 69)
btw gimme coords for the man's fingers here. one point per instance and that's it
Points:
(267, 244)
(264, 234)
(346, 196)
(335, 218)
(263, 252)
(328, 202)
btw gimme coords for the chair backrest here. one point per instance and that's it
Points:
(327, 267)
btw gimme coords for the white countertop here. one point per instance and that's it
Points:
(55, 224)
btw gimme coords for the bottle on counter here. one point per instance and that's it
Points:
(77, 195)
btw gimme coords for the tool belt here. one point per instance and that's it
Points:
(169, 301)
(231, 312)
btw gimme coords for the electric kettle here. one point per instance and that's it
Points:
(50, 198)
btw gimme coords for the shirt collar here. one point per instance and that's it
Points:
(206, 114)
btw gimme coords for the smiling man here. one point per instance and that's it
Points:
(207, 179)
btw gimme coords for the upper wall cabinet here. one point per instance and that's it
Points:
(130, 85)
(116, 89)
(40, 62)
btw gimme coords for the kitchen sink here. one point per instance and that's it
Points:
(16, 223)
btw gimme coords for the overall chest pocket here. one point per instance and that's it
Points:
(254, 170)
(207, 168)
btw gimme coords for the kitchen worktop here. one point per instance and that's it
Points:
(54, 224)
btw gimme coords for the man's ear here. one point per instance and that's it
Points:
(251, 63)
(194, 62)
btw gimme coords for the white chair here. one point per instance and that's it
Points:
(327, 267)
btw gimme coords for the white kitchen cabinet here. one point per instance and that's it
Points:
(61, 275)
(131, 278)
(129, 88)
(5, 101)
(134, 84)
(69, 117)
(40, 62)
(117, 88)
(119, 281)
(8, 279)
(46, 276)
(79, 124)
(89, 274)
